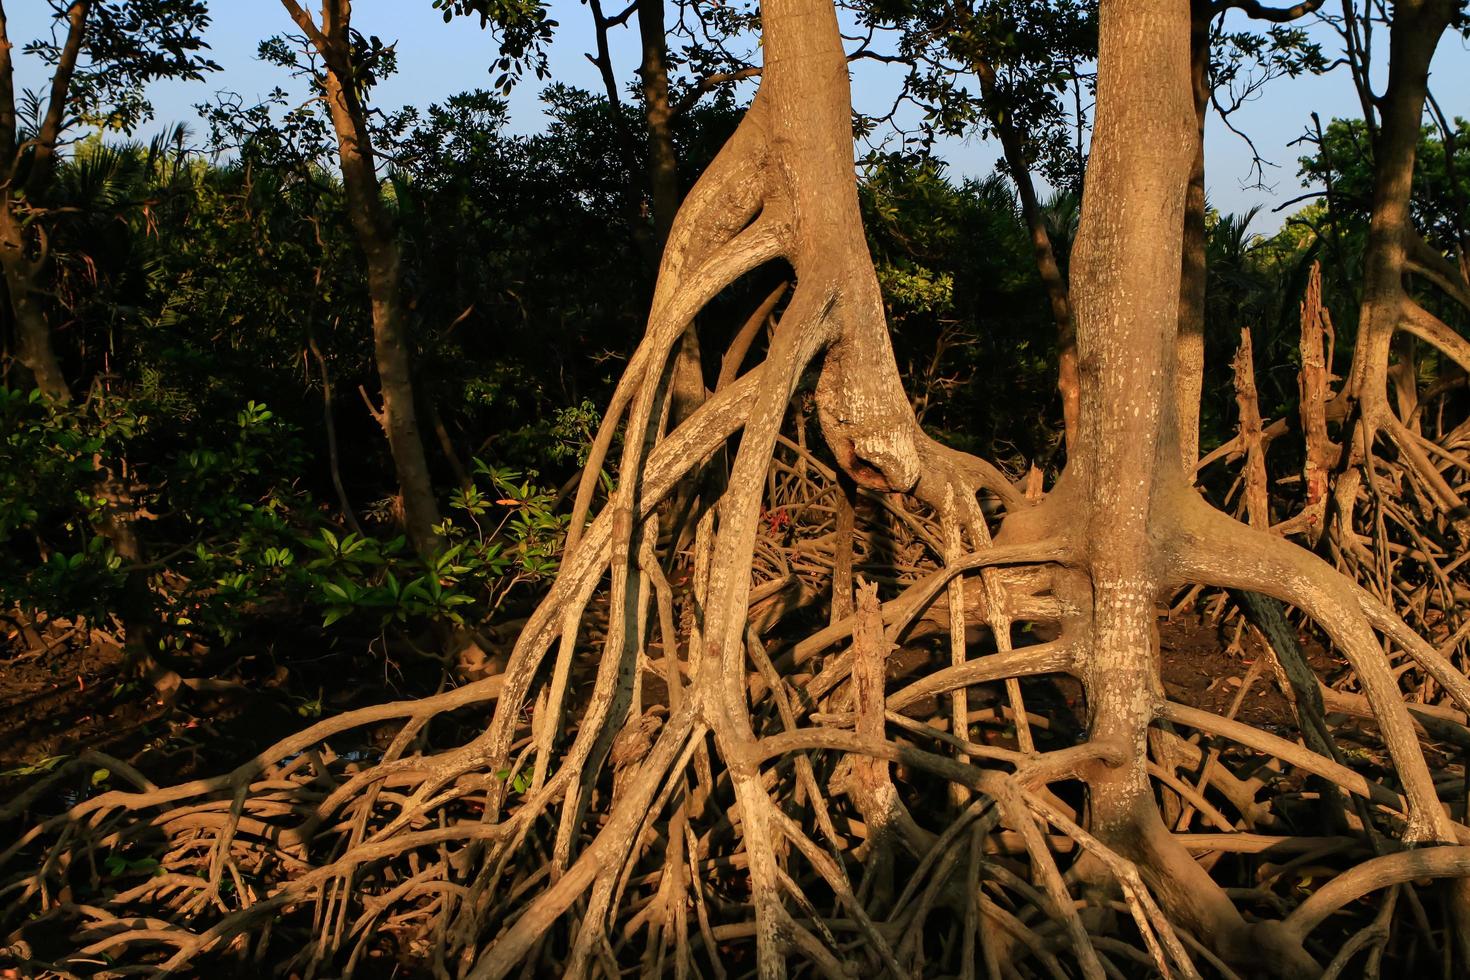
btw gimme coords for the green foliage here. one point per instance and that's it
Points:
(125, 45)
(520, 783)
(1041, 55)
(118, 865)
(243, 539)
(521, 27)
(573, 432)
(965, 306)
(199, 292)
(503, 533)
(82, 481)
(52, 552)
(1342, 160)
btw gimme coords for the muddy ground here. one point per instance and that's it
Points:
(70, 692)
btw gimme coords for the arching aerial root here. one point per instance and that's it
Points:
(412, 845)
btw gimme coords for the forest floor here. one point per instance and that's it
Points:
(63, 693)
(1199, 670)
(71, 694)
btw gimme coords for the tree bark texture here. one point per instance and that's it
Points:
(24, 249)
(374, 233)
(1124, 473)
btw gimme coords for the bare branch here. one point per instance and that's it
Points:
(711, 82)
(55, 119)
(308, 26)
(1259, 11)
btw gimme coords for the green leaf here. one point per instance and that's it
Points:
(45, 765)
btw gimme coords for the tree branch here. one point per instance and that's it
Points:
(7, 94)
(1424, 260)
(308, 26)
(1259, 11)
(51, 125)
(709, 83)
(1435, 332)
(1370, 876)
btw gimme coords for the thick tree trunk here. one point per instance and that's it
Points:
(1393, 249)
(1125, 275)
(1125, 286)
(33, 342)
(35, 345)
(1124, 481)
(1416, 30)
(374, 234)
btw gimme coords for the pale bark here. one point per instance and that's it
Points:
(783, 186)
(1314, 387)
(1257, 498)
(1124, 481)
(1126, 274)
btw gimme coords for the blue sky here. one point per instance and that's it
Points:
(437, 60)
